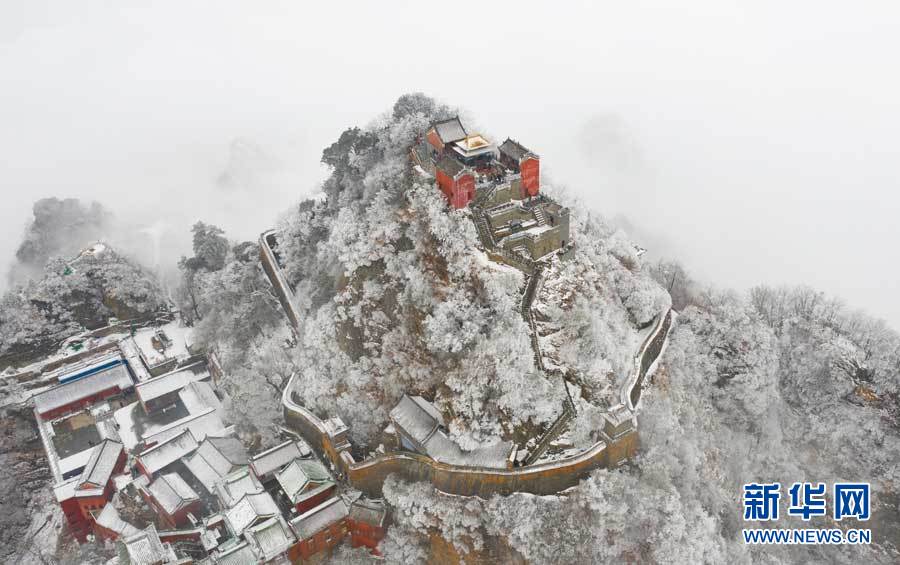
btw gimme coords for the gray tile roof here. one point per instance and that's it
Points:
(317, 519)
(169, 451)
(171, 492)
(414, 419)
(295, 477)
(145, 548)
(450, 166)
(172, 381)
(277, 457)
(420, 421)
(514, 149)
(231, 488)
(248, 510)
(84, 387)
(450, 130)
(369, 511)
(241, 554)
(272, 537)
(203, 471)
(110, 519)
(100, 466)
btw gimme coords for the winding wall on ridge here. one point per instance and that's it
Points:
(541, 479)
(546, 478)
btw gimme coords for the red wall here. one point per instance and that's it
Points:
(445, 183)
(311, 503)
(171, 521)
(78, 524)
(531, 176)
(435, 141)
(365, 534)
(306, 548)
(79, 404)
(465, 191)
(458, 192)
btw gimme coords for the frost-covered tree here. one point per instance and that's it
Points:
(73, 295)
(59, 228)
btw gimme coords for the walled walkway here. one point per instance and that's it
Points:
(619, 436)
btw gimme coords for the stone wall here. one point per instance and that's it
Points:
(276, 277)
(369, 475)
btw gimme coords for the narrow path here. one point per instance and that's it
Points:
(647, 356)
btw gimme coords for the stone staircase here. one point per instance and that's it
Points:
(558, 427)
(540, 216)
(484, 232)
(531, 288)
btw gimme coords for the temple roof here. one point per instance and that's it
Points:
(450, 166)
(450, 130)
(513, 149)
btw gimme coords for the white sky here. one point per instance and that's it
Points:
(756, 143)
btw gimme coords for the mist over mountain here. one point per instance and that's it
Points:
(776, 384)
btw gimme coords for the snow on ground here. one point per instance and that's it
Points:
(126, 424)
(181, 338)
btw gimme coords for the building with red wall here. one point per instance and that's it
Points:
(306, 483)
(319, 529)
(85, 391)
(442, 134)
(83, 497)
(519, 159)
(172, 498)
(456, 181)
(367, 523)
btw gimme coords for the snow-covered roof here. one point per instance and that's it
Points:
(167, 452)
(295, 477)
(443, 449)
(65, 490)
(201, 424)
(472, 145)
(145, 548)
(334, 426)
(199, 395)
(178, 335)
(222, 451)
(75, 461)
(420, 422)
(271, 538)
(368, 510)
(100, 466)
(214, 459)
(203, 471)
(232, 488)
(317, 519)
(514, 149)
(450, 166)
(58, 396)
(277, 457)
(416, 417)
(172, 492)
(240, 554)
(450, 130)
(109, 518)
(249, 510)
(172, 381)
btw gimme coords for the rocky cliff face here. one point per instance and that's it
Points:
(82, 292)
(397, 297)
(24, 483)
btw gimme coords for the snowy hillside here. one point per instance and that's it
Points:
(397, 298)
(81, 292)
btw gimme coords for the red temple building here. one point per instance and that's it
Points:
(83, 497)
(466, 164)
(519, 159)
